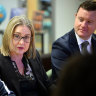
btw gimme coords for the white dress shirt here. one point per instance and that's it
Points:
(80, 41)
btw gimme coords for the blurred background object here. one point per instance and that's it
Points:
(2, 13)
(40, 14)
(17, 12)
(38, 17)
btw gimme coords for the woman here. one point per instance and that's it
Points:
(20, 65)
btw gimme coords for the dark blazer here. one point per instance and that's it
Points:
(63, 48)
(10, 78)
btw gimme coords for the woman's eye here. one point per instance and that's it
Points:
(16, 36)
(26, 37)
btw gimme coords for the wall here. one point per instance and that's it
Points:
(8, 4)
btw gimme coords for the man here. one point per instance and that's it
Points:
(71, 43)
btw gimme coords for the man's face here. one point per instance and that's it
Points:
(85, 23)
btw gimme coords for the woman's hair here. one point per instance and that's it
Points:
(8, 35)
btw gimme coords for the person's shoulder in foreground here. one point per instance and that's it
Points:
(78, 77)
(70, 43)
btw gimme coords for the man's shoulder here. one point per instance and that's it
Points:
(94, 36)
(65, 38)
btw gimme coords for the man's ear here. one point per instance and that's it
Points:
(95, 31)
(75, 14)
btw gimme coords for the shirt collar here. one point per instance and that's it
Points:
(80, 40)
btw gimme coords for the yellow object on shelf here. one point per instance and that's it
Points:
(32, 5)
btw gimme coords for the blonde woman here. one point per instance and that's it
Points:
(20, 65)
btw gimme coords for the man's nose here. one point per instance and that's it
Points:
(84, 24)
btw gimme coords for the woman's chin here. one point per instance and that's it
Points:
(20, 53)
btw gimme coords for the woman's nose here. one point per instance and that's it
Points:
(22, 41)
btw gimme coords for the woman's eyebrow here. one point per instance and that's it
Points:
(20, 33)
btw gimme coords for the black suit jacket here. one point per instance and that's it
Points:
(63, 48)
(8, 75)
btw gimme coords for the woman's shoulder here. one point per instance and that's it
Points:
(37, 56)
(1, 56)
(37, 59)
(4, 58)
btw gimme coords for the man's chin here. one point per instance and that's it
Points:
(81, 36)
(84, 37)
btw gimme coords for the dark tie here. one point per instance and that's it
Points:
(84, 47)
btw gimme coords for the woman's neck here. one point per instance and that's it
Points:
(18, 60)
(15, 57)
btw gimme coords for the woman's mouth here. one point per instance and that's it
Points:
(20, 48)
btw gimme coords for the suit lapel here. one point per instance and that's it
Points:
(73, 42)
(93, 44)
(35, 69)
(74, 45)
(33, 65)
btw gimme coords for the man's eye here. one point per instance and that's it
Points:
(81, 20)
(89, 22)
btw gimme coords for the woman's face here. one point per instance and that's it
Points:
(21, 40)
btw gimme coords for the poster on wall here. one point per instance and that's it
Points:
(17, 12)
